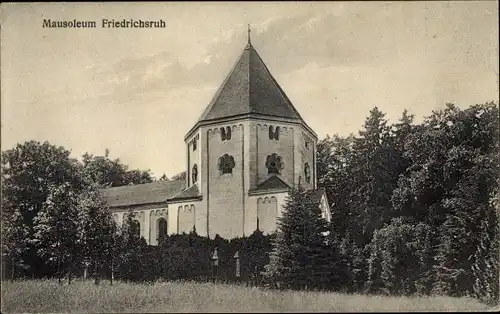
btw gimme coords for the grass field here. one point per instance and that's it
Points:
(84, 297)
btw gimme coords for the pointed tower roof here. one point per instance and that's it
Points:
(249, 89)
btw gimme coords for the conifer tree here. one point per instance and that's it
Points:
(400, 132)
(300, 257)
(374, 177)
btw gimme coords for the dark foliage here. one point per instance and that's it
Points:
(414, 211)
(189, 257)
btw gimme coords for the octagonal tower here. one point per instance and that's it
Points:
(248, 148)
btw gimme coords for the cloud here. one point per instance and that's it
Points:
(336, 58)
(286, 43)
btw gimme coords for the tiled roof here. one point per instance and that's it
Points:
(147, 193)
(249, 88)
(190, 192)
(272, 183)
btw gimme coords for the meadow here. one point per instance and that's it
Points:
(42, 296)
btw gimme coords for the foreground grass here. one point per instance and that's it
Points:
(84, 297)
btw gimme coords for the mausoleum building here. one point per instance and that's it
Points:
(248, 148)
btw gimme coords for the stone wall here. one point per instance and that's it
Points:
(267, 212)
(147, 216)
(266, 207)
(282, 147)
(225, 199)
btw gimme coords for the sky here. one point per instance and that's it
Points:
(138, 91)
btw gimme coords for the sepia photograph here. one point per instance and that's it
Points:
(172, 157)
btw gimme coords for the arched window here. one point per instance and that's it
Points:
(274, 164)
(307, 172)
(226, 164)
(195, 173)
(136, 228)
(223, 133)
(271, 132)
(277, 133)
(228, 133)
(162, 228)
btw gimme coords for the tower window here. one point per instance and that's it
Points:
(307, 172)
(226, 164)
(195, 173)
(274, 134)
(194, 144)
(274, 164)
(225, 133)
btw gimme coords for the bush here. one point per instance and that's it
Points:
(400, 259)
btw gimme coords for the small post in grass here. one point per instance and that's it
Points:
(215, 264)
(237, 259)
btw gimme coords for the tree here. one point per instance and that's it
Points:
(300, 257)
(138, 177)
(59, 228)
(399, 259)
(374, 177)
(254, 254)
(99, 232)
(14, 235)
(485, 269)
(164, 178)
(453, 172)
(106, 172)
(131, 266)
(356, 263)
(31, 172)
(400, 132)
(179, 176)
(334, 170)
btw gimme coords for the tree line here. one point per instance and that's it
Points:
(415, 206)
(414, 211)
(53, 216)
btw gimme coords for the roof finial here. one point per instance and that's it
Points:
(249, 34)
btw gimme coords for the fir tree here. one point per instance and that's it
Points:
(374, 177)
(300, 257)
